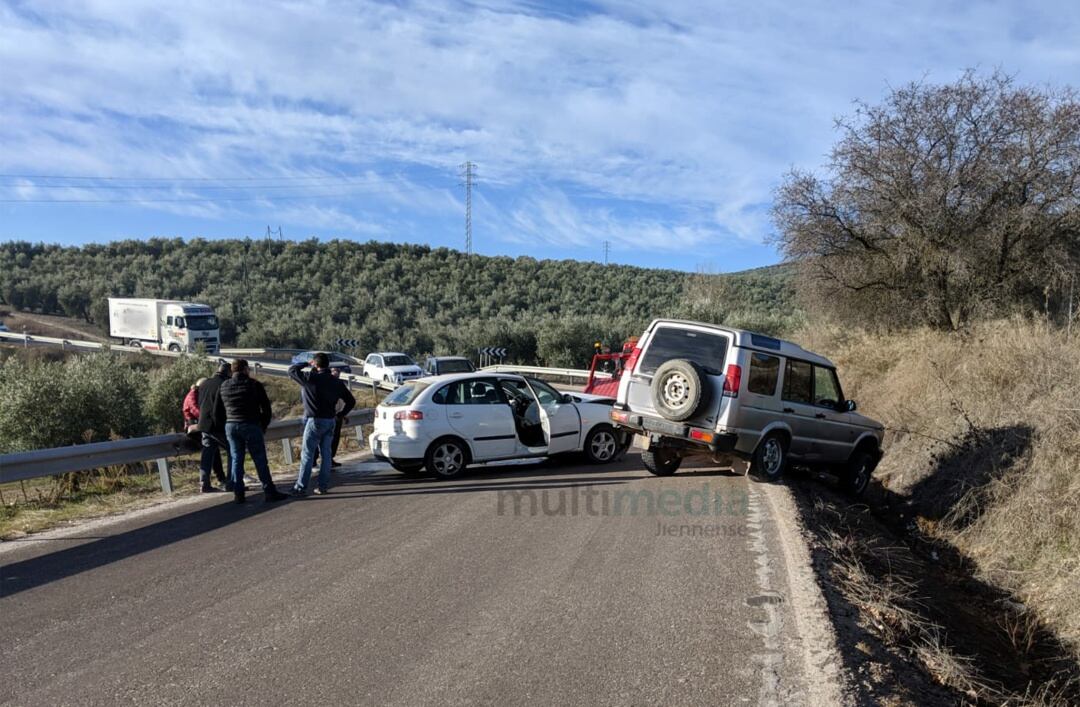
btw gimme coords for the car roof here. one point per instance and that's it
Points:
(753, 340)
(388, 353)
(464, 375)
(448, 358)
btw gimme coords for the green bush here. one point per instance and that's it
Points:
(168, 386)
(90, 398)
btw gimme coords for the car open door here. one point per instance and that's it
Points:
(560, 419)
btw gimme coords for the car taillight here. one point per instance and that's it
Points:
(408, 415)
(732, 380)
(632, 361)
(618, 416)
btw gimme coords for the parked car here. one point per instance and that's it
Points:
(340, 361)
(441, 365)
(391, 367)
(3, 327)
(693, 388)
(445, 423)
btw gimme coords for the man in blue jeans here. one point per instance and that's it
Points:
(320, 393)
(245, 407)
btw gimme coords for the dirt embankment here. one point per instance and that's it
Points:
(963, 562)
(49, 325)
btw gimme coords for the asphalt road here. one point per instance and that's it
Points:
(394, 591)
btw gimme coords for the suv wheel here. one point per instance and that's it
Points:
(855, 476)
(601, 444)
(679, 389)
(661, 461)
(769, 458)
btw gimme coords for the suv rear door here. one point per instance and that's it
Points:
(705, 346)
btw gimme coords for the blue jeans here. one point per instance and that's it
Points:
(247, 437)
(210, 460)
(318, 435)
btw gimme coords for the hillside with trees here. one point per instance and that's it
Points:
(398, 297)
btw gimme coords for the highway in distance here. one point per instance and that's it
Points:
(552, 583)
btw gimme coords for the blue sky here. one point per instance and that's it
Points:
(661, 127)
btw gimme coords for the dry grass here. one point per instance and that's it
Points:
(983, 434)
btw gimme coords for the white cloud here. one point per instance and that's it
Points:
(688, 107)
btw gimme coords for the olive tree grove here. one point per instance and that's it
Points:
(943, 204)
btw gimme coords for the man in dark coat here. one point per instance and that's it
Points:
(245, 407)
(213, 430)
(320, 393)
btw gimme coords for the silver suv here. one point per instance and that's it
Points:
(744, 399)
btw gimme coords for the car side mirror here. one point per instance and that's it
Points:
(567, 398)
(850, 406)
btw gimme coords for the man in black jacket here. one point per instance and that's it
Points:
(243, 404)
(320, 393)
(213, 430)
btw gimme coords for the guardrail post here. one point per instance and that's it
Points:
(164, 475)
(286, 450)
(360, 435)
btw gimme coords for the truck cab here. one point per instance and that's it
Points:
(167, 325)
(186, 325)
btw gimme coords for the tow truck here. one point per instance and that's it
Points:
(609, 365)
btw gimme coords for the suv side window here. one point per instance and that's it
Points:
(826, 388)
(706, 350)
(798, 382)
(764, 372)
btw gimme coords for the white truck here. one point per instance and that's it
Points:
(164, 324)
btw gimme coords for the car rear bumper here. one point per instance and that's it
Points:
(396, 448)
(675, 434)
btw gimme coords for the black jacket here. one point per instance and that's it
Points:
(243, 399)
(320, 392)
(209, 420)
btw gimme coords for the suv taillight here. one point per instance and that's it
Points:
(632, 361)
(732, 381)
(408, 415)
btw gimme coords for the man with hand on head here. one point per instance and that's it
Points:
(245, 407)
(319, 391)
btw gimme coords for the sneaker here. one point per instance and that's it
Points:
(321, 492)
(209, 489)
(297, 492)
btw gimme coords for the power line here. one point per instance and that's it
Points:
(271, 197)
(154, 187)
(469, 173)
(174, 179)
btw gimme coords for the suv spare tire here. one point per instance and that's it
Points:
(679, 389)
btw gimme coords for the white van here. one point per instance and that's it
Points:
(695, 388)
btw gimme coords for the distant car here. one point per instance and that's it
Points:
(3, 327)
(441, 365)
(447, 422)
(391, 367)
(341, 361)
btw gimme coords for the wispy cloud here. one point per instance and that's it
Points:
(681, 116)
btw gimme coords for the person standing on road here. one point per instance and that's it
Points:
(212, 427)
(243, 404)
(320, 392)
(346, 402)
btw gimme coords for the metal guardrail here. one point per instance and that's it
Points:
(542, 371)
(83, 457)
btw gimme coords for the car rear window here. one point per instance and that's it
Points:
(764, 372)
(405, 394)
(455, 367)
(706, 350)
(398, 361)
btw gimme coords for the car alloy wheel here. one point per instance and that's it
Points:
(447, 459)
(602, 446)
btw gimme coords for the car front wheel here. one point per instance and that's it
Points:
(601, 444)
(770, 458)
(855, 477)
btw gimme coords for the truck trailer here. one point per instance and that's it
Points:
(168, 325)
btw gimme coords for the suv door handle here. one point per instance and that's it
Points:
(789, 409)
(820, 416)
(457, 414)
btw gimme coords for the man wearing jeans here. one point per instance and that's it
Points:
(212, 428)
(320, 392)
(243, 404)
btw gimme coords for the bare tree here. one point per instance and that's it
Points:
(942, 204)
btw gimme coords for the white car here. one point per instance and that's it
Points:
(391, 367)
(445, 423)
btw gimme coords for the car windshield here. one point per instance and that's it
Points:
(405, 394)
(398, 361)
(201, 322)
(706, 350)
(455, 366)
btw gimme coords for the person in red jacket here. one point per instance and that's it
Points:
(191, 405)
